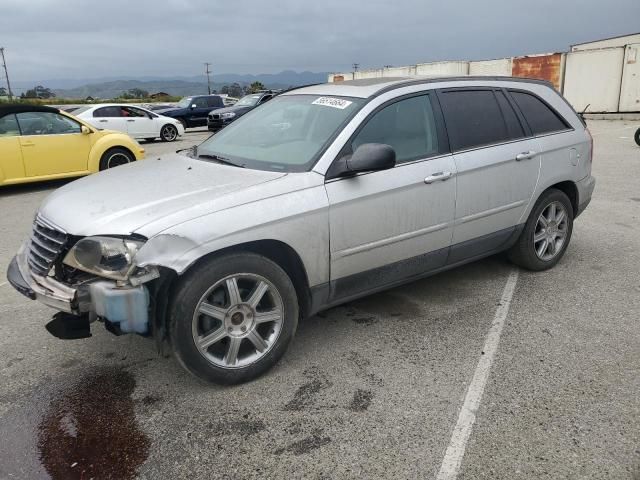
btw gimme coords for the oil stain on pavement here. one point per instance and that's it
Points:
(90, 430)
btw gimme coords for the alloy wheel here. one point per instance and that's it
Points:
(551, 231)
(117, 159)
(169, 133)
(238, 320)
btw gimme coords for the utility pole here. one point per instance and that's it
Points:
(207, 71)
(6, 74)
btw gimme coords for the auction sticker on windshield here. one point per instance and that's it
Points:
(332, 102)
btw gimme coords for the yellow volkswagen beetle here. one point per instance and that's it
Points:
(43, 143)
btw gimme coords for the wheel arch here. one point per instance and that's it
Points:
(100, 148)
(277, 251)
(570, 189)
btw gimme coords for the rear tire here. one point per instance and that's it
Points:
(183, 122)
(232, 318)
(114, 157)
(546, 234)
(168, 133)
(636, 137)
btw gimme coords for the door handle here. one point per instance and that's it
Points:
(27, 143)
(438, 176)
(103, 121)
(130, 120)
(525, 155)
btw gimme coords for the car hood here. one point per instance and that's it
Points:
(234, 109)
(125, 199)
(165, 111)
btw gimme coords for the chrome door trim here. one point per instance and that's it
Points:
(390, 240)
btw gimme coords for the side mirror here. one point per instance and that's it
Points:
(85, 130)
(193, 105)
(368, 157)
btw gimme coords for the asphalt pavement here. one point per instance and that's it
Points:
(371, 389)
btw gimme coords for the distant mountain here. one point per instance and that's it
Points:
(114, 88)
(178, 86)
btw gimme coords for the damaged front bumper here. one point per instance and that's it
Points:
(125, 309)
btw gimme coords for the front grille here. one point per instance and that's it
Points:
(45, 246)
(214, 116)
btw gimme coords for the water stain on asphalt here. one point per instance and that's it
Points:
(244, 428)
(305, 445)
(149, 400)
(361, 400)
(306, 393)
(90, 431)
(364, 320)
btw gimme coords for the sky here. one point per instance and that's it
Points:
(50, 39)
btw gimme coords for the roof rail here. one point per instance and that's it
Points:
(419, 81)
(286, 90)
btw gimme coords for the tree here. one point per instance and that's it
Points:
(137, 93)
(3, 92)
(38, 92)
(225, 90)
(256, 87)
(235, 90)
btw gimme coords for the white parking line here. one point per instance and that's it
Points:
(455, 451)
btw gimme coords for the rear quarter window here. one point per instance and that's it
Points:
(540, 116)
(107, 112)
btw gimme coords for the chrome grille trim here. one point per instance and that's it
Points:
(45, 246)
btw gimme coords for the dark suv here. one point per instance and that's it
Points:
(224, 116)
(192, 111)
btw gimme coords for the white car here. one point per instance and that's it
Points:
(138, 122)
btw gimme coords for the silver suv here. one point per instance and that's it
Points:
(322, 195)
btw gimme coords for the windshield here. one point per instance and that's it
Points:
(185, 102)
(287, 133)
(248, 101)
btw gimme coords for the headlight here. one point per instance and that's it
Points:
(227, 115)
(104, 256)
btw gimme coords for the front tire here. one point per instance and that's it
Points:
(168, 133)
(546, 234)
(114, 157)
(636, 137)
(232, 318)
(183, 122)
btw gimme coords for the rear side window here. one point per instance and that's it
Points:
(408, 125)
(108, 112)
(215, 102)
(473, 118)
(540, 117)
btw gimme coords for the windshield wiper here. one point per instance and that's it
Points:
(218, 158)
(189, 150)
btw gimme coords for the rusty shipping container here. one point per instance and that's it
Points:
(548, 67)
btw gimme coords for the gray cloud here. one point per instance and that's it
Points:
(77, 38)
